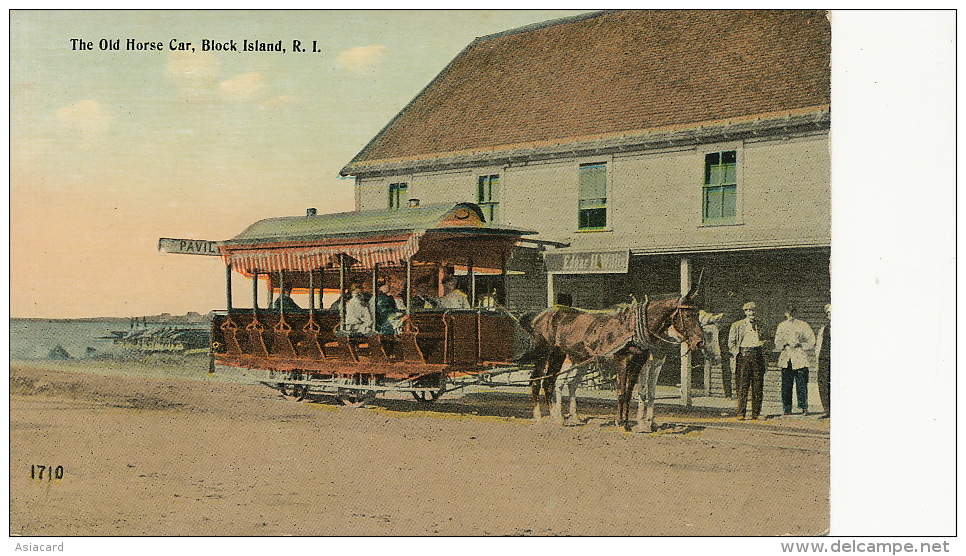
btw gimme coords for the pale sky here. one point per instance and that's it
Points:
(112, 149)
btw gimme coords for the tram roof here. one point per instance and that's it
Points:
(449, 217)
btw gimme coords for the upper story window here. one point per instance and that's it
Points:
(720, 196)
(592, 209)
(398, 196)
(488, 197)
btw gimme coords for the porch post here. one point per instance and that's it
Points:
(685, 354)
(550, 299)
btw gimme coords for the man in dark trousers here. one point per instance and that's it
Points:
(824, 351)
(745, 342)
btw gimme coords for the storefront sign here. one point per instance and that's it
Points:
(188, 246)
(592, 262)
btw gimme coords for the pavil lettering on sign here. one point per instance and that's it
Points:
(188, 246)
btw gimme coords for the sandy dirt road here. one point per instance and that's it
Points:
(180, 457)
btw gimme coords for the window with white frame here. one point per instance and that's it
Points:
(592, 209)
(720, 192)
(488, 196)
(398, 195)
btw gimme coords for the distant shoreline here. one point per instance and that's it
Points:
(190, 318)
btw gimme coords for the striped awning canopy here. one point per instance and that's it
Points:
(362, 239)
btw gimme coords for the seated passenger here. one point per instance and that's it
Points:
(453, 297)
(489, 301)
(358, 319)
(285, 303)
(389, 310)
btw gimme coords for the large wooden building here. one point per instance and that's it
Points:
(652, 145)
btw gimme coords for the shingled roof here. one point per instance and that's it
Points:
(614, 73)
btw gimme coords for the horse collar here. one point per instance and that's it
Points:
(643, 335)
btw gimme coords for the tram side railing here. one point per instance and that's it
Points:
(433, 337)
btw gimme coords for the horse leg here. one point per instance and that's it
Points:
(536, 381)
(649, 374)
(572, 393)
(552, 390)
(625, 385)
(631, 372)
(621, 378)
(556, 407)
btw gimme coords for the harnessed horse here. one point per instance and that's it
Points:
(633, 341)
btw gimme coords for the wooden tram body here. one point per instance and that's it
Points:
(418, 249)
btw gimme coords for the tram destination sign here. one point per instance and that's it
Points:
(189, 246)
(588, 262)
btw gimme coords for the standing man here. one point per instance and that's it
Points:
(745, 344)
(824, 351)
(793, 338)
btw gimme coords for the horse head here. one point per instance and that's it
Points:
(678, 318)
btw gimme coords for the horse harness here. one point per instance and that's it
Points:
(646, 338)
(641, 336)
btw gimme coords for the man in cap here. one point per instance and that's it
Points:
(745, 343)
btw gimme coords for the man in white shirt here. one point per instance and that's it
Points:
(745, 344)
(793, 338)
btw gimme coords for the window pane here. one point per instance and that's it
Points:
(593, 218)
(481, 190)
(713, 175)
(712, 203)
(729, 157)
(397, 195)
(593, 181)
(728, 173)
(729, 198)
(493, 213)
(494, 189)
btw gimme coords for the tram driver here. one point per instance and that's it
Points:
(453, 297)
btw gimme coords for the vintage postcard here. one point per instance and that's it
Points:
(435, 273)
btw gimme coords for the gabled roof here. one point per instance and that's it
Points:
(610, 74)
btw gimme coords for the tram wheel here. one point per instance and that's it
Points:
(296, 392)
(427, 397)
(356, 400)
(299, 391)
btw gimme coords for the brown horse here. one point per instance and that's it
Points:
(632, 341)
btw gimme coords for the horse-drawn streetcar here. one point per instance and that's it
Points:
(419, 301)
